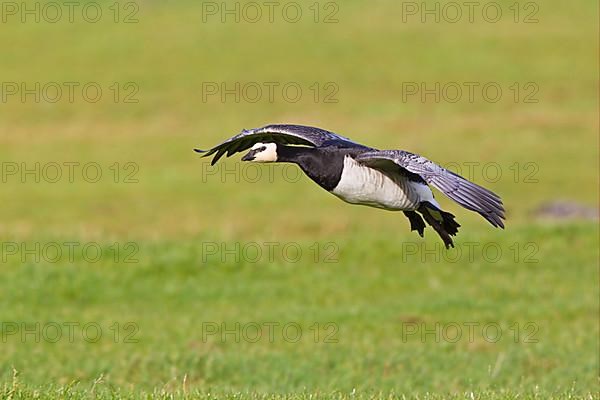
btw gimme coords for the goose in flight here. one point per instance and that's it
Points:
(393, 180)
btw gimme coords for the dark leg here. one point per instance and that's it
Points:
(416, 222)
(442, 222)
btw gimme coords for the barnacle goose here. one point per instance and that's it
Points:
(389, 179)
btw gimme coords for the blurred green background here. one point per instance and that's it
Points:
(355, 63)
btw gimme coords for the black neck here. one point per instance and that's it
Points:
(321, 166)
(293, 154)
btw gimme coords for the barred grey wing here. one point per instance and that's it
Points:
(468, 194)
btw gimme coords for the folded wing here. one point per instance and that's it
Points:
(469, 195)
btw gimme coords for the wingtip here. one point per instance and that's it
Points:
(502, 219)
(199, 151)
(498, 222)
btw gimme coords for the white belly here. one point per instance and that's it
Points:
(367, 186)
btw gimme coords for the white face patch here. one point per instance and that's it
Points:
(269, 154)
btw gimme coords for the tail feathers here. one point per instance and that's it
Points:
(442, 222)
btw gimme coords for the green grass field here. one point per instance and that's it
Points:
(165, 278)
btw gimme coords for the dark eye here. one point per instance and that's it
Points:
(263, 148)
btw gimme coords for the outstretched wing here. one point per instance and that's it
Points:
(462, 191)
(281, 134)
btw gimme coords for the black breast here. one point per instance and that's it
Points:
(324, 165)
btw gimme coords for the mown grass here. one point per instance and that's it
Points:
(364, 303)
(371, 279)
